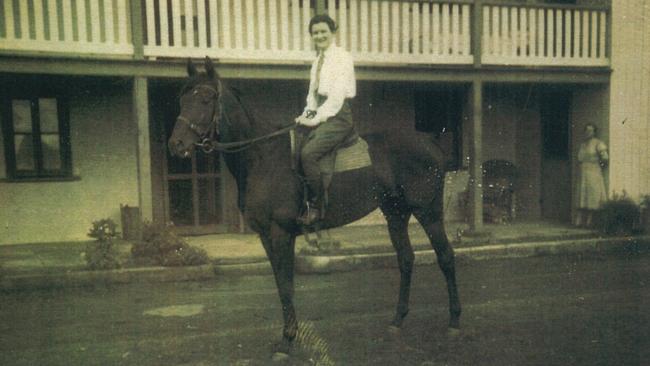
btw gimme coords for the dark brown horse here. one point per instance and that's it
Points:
(406, 178)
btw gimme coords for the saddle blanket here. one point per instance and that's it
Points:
(350, 156)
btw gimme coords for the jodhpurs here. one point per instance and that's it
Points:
(322, 140)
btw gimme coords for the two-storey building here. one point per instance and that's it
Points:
(89, 93)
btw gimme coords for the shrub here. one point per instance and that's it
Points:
(619, 215)
(645, 202)
(101, 253)
(644, 207)
(105, 229)
(161, 246)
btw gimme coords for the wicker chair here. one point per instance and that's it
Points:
(499, 191)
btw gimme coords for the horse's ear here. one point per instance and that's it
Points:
(209, 68)
(191, 69)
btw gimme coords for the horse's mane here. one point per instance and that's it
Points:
(237, 94)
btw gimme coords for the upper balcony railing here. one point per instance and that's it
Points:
(544, 35)
(274, 31)
(264, 30)
(66, 26)
(422, 32)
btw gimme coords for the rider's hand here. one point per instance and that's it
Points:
(304, 121)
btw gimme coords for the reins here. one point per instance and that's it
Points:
(209, 145)
(208, 142)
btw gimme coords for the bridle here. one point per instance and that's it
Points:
(207, 140)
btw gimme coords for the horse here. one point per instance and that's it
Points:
(406, 178)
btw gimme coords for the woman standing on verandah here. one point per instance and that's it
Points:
(592, 157)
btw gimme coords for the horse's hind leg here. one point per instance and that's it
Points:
(433, 226)
(397, 215)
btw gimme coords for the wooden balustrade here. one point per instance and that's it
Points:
(563, 36)
(267, 31)
(66, 26)
(246, 30)
(413, 32)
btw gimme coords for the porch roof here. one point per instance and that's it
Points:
(176, 68)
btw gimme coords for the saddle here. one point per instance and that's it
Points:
(351, 154)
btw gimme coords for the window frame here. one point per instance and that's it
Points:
(39, 173)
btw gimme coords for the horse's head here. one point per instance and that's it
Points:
(197, 123)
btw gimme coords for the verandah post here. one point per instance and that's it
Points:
(137, 31)
(476, 158)
(477, 36)
(140, 115)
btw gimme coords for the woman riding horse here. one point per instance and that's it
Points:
(406, 179)
(331, 87)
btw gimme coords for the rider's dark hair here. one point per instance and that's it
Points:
(323, 18)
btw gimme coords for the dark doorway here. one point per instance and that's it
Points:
(438, 111)
(555, 109)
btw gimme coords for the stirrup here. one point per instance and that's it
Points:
(311, 216)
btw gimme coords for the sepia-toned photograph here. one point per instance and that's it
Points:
(325, 182)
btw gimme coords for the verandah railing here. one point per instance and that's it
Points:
(545, 35)
(385, 31)
(66, 26)
(244, 29)
(375, 31)
(404, 31)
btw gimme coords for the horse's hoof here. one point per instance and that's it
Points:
(453, 332)
(281, 351)
(279, 357)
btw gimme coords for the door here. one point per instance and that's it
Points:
(195, 194)
(438, 111)
(556, 157)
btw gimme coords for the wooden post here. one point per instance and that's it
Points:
(477, 32)
(608, 36)
(137, 33)
(143, 146)
(476, 158)
(320, 7)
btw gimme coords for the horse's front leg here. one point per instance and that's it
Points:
(280, 245)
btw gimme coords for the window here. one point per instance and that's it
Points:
(36, 137)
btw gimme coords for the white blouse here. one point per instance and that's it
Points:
(336, 82)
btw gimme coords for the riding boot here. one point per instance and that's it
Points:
(312, 214)
(314, 210)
